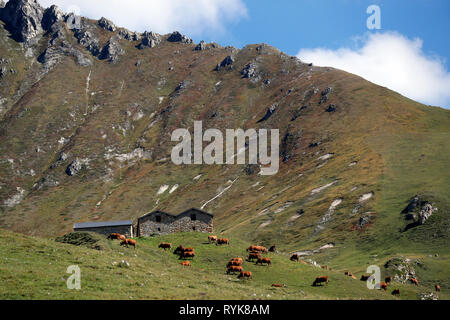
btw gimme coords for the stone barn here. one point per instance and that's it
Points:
(107, 227)
(160, 222)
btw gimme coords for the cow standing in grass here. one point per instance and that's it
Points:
(128, 242)
(323, 279)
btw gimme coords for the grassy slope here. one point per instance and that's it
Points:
(34, 268)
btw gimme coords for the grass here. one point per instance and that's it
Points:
(34, 268)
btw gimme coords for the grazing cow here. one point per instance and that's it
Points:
(383, 285)
(251, 248)
(272, 249)
(212, 239)
(364, 278)
(238, 260)
(186, 263)
(353, 277)
(295, 257)
(180, 250)
(324, 267)
(263, 261)
(414, 281)
(388, 279)
(223, 241)
(320, 280)
(165, 245)
(116, 236)
(347, 273)
(278, 285)
(234, 269)
(128, 242)
(396, 292)
(234, 263)
(261, 249)
(187, 255)
(438, 288)
(245, 275)
(253, 256)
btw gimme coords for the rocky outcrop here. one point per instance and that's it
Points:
(178, 37)
(325, 94)
(226, 63)
(201, 46)
(107, 24)
(87, 39)
(149, 40)
(128, 35)
(51, 16)
(111, 51)
(418, 211)
(331, 108)
(269, 113)
(250, 71)
(23, 18)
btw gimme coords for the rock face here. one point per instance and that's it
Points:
(111, 51)
(201, 46)
(106, 24)
(226, 63)
(178, 37)
(51, 16)
(150, 40)
(128, 35)
(87, 38)
(324, 95)
(250, 71)
(23, 19)
(74, 167)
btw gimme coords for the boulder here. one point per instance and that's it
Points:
(149, 40)
(178, 37)
(23, 19)
(226, 63)
(128, 35)
(201, 46)
(111, 51)
(106, 24)
(74, 167)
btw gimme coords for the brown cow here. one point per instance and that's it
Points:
(353, 277)
(273, 249)
(245, 275)
(388, 279)
(187, 255)
(347, 273)
(414, 281)
(396, 292)
(278, 285)
(251, 248)
(186, 263)
(364, 278)
(264, 261)
(223, 241)
(383, 285)
(324, 267)
(253, 256)
(212, 239)
(128, 242)
(257, 249)
(116, 236)
(233, 269)
(180, 250)
(295, 257)
(234, 263)
(165, 245)
(438, 288)
(320, 280)
(238, 260)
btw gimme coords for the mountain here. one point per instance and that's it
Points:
(87, 109)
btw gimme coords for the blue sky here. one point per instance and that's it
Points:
(409, 54)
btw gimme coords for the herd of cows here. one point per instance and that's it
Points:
(255, 254)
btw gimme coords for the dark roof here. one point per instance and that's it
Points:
(157, 212)
(102, 224)
(175, 216)
(199, 211)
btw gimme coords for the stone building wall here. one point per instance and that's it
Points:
(125, 230)
(148, 225)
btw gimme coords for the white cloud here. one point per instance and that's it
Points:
(393, 61)
(192, 17)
